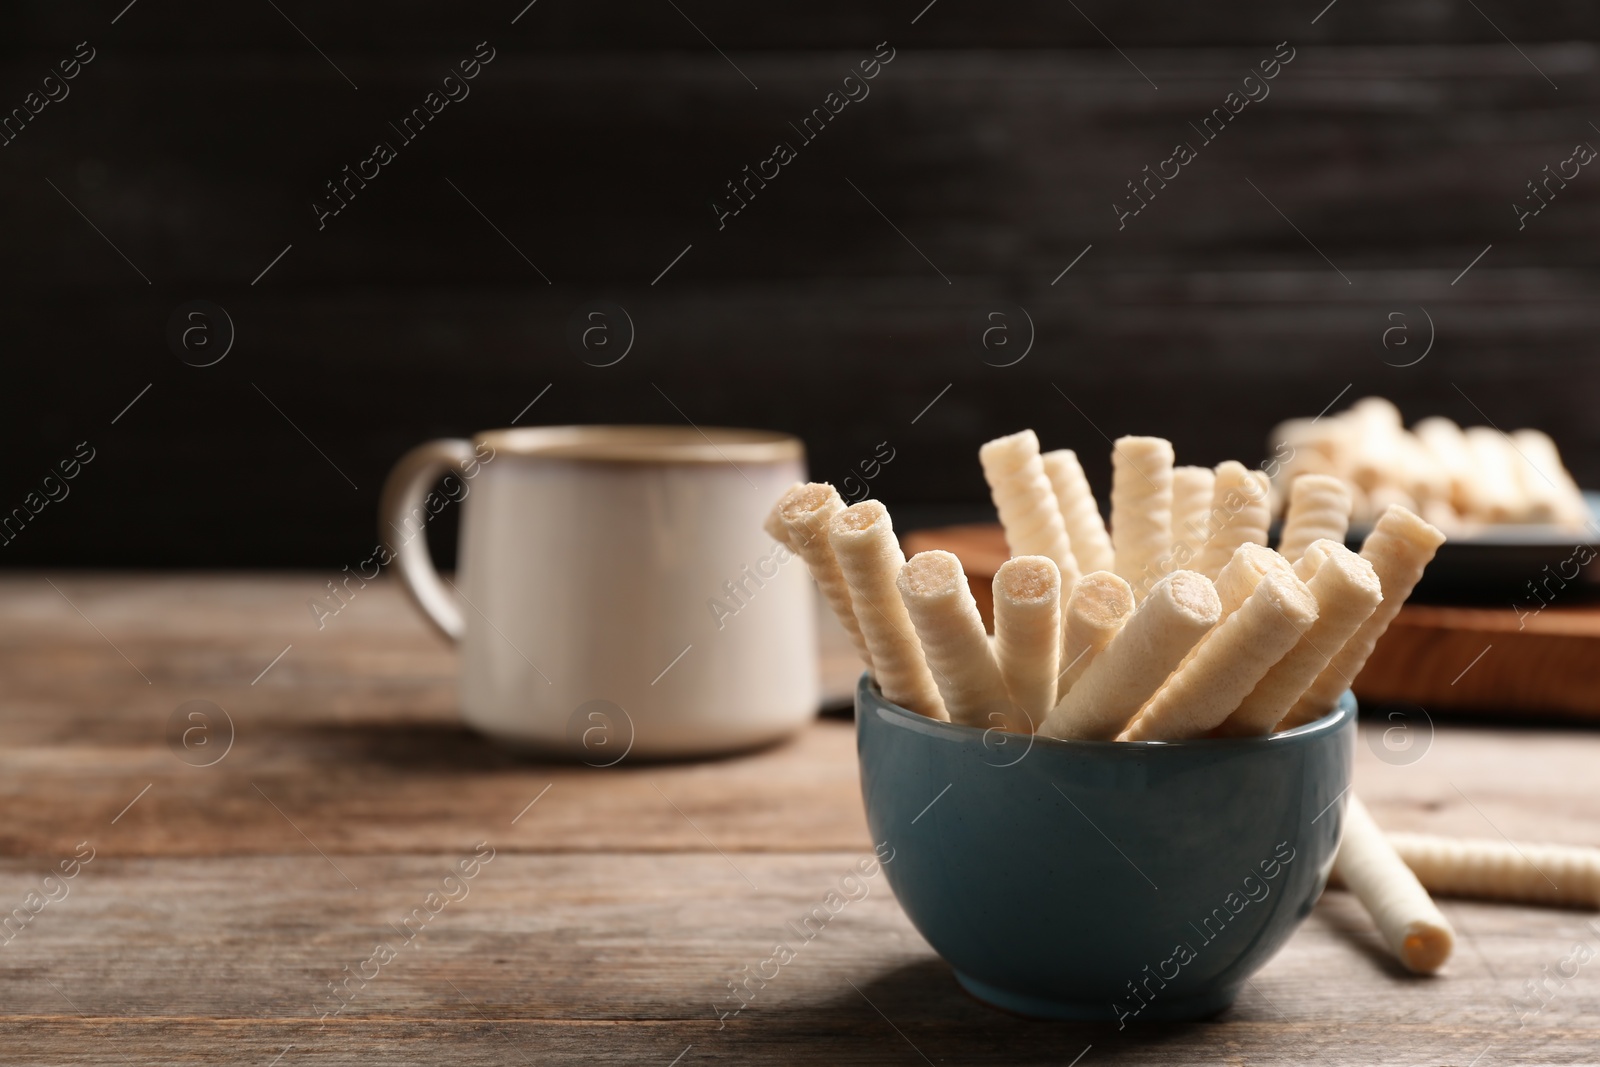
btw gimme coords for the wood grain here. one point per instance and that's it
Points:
(214, 914)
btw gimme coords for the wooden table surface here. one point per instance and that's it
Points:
(221, 901)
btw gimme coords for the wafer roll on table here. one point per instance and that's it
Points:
(806, 511)
(1412, 925)
(1097, 609)
(870, 559)
(1086, 530)
(1523, 873)
(1319, 506)
(939, 601)
(1192, 489)
(1241, 512)
(1201, 694)
(1027, 633)
(1141, 509)
(1027, 504)
(1399, 547)
(1180, 609)
(1347, 592)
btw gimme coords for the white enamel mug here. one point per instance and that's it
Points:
(616, 594)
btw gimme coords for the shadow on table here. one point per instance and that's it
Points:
(919, 1009)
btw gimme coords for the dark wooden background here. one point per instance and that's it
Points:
(997, 140)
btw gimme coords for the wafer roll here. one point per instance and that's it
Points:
(1250, 563)
(1319, 506)
(806, 511)
(1446, 443)
(1097, 609)
(1547, 484)
(870, 559)
(773, 523)
(1200, 695)
(1523, 873)
(1347, 593)
(1240, 514)
(1399, 547)
(1027, 633)
(1416, 931)
(1192, 489)
(1499, 490)
(1177, 613)
(947, 622)
(1141, 509)
(1028, 508)
(1086, 530)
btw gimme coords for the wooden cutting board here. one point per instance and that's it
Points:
(1440, 658)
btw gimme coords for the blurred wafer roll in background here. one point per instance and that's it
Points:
(870, 559)
(1192, 488)
(1233, 660)
(1443, 440)
(1499, 490)
(1546, 483)
(1347, 592)
(1027, 633)
(806, 511)
(934, 589)
(1412, 925)
(1241, 511)
(1523, 873)
(1097, 609)
(1180, 609)
(1086, 530)
(1141, 509)
(1027, 504)
(1319, 506)
(1399, 547)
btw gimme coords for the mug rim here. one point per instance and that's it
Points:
(646, 443)
(869, 696)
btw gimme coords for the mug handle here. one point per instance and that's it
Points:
(403, 494)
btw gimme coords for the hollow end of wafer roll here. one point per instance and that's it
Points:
(1291, 597)
(1244, 570)
(804, 508)
(1402, 522)
(1100, 601)
(773, 523)
(1192, 595)
(859, 517)
(1028, 580)
(1426, 946)
(932, 574)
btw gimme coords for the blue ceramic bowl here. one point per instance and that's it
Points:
(1123, 881)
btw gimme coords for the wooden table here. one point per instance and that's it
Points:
(221, 901)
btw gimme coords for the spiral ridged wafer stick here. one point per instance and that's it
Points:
(1347, 592)
(773, 523)
(1499, 490)
(1028, 508)
(1177, 613)
(1417, 932)
(1141, 509)
(947, 622)
(1319, 506)
(1097, 609)
(870, 559)
(1524, 873)
(1399, 547)
(1192, 488)
(1086, 530)
(1241, 511)
(1448, 446)
(1200, 695)
(1238, 579)
(806, 511)
(1027, 632)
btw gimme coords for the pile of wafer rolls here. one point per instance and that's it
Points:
(1174, 620)
(1458, 479)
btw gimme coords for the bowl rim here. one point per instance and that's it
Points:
(868, 696)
